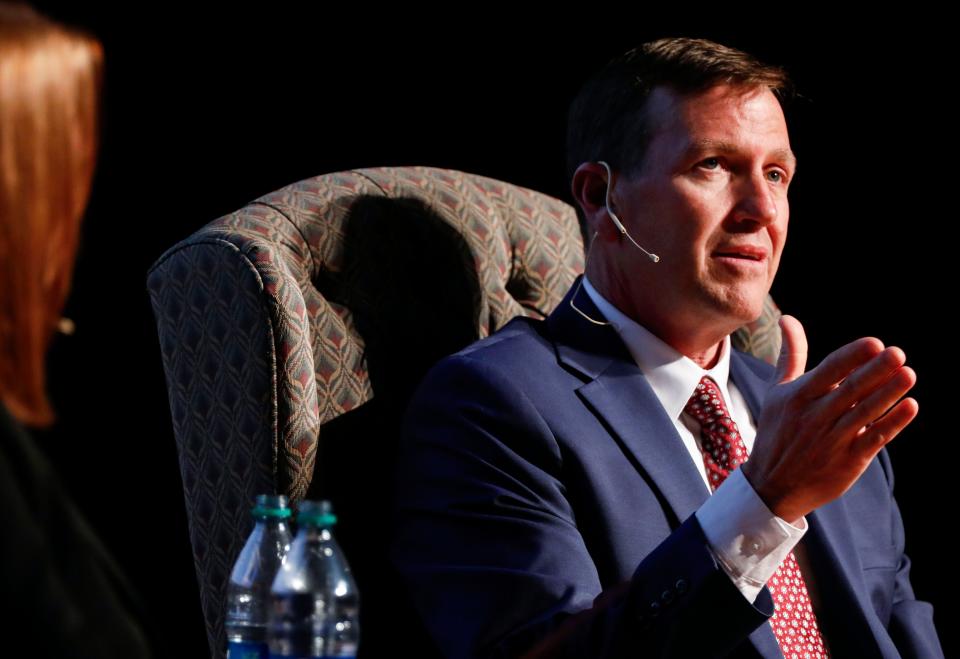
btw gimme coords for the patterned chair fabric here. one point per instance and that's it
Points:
(257, 358)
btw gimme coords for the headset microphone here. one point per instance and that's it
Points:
(616, 220)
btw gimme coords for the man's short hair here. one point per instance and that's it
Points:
(607, 119)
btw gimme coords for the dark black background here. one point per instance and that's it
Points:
(205, 111)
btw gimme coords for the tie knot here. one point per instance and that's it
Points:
(706, 404)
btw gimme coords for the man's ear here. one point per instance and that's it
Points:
(589, 190)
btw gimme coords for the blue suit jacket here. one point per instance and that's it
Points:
(543, 493)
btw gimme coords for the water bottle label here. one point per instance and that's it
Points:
(246, 650)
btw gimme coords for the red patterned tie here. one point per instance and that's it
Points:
(793, 621)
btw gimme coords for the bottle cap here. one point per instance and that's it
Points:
(271, 505)
(316, 513)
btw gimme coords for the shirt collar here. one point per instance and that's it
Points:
(672, 375)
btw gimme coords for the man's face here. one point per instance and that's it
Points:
(711, 200)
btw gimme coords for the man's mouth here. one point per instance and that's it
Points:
(747, 252)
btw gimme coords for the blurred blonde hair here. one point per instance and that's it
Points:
(50, 80)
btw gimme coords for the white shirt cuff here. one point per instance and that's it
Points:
(746, 538)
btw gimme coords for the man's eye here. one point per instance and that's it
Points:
(704, 163)
(780, 176)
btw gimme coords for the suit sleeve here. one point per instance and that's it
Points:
(488, 544)
(911, 620)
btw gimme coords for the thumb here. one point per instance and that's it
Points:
(793, 351)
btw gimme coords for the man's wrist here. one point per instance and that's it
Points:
(774, 504)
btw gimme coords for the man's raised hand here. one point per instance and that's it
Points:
(818, 431)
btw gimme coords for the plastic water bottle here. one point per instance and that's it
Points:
(315, 610)
(248, 593)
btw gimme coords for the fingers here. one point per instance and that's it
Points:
(867, 411)
(862, 382)
(793, 351)
(838, 365)
(878, 434)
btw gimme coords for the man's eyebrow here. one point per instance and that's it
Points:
(708, 144)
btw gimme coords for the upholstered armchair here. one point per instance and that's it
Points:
(293, 330)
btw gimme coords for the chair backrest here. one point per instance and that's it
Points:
(259, 351)
(270, 326)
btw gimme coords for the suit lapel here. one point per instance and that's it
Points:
(643, 429)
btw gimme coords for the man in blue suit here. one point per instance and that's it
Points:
(562, 491)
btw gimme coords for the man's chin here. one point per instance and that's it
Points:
(740, 314)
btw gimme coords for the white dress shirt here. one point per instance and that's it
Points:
(745, 537)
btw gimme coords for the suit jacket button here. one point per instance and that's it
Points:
(667, 596)
(654, 609)
(681, 586)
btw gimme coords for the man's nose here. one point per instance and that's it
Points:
(757, 200)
